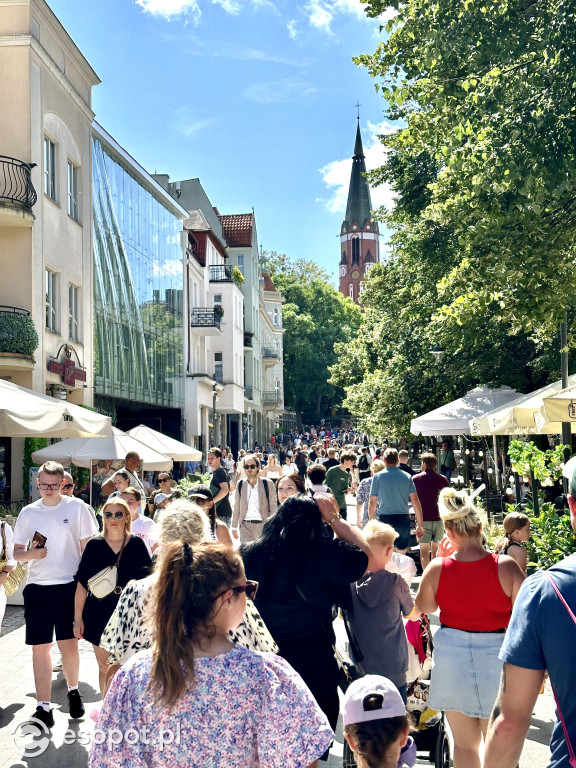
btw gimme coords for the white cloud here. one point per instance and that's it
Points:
(230, 6)
(293, 30)
(321, 13)
(186, 122)
(278, 91)
(170, 8)
(336, 174)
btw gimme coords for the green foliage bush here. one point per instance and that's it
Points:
(17, 334)
(551, 537)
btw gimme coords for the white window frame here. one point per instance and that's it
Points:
(51, 288)
(73, 202)
(241, 262)
(275, 317)
(351, 291)
(73, 312)
(49, 168)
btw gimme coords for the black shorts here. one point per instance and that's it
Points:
(49, 609)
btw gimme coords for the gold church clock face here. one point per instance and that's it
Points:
(355, 274)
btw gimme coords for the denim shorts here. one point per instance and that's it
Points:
(401, 524)
(466, 672)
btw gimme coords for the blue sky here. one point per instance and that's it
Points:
(254, 97)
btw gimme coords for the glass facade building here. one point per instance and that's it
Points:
(138, 286)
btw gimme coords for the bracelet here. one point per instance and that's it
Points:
(336, 517)
(76, 621)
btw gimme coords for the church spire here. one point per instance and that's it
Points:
(359, 203)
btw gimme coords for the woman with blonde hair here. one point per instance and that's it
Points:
(475, 591)
(516, 532)
(201, 700)
(115, 546)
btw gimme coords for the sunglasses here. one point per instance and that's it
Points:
(68, 485)
(50, 486)
(164, 480)
(117, 515)
(250, 466)
(251, 587)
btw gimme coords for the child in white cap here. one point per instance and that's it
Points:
(376, 725)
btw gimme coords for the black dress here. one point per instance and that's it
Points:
(134, 564)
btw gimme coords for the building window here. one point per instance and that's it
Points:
(49, 168)
(51, 301)
(367, 267)
(218, 371)
(351, 291)
(73, 312)
(217, 298)
(355, 250)
(275, 317)
(241, 262)
(73, 191)
(343, 270)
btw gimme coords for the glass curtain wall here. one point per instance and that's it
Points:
(138, 289)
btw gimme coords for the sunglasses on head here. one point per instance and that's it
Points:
(251, 587)
(117, 515)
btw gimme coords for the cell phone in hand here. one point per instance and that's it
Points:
(39, 539)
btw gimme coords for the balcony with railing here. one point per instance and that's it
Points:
(271, 397)
(221, 274)
(18, 338)
(207, 318)
(17, 193)
(249, 393)
(270, 355)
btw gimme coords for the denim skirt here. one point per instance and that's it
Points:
(466, 673)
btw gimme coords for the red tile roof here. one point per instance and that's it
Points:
(237, 229)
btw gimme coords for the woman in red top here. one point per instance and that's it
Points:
(475, 591)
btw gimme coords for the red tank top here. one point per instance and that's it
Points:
(470, 595)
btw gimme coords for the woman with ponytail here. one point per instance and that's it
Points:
(195, 699)
(516, 532)
(475, 591)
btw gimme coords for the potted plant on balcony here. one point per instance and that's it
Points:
(17, 334)
(218, 311)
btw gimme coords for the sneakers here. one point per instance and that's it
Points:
(57, 664)
(44, 716)
(76, 704)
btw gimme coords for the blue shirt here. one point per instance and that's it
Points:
(393, 487)
(542, 635)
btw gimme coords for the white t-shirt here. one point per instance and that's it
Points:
(64, 526)
(9, 550)
(253, 511)
(142, 527)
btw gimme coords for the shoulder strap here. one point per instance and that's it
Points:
(126, 538)
(571, 754)
(266, 489)
(240, 484)
(3, 554)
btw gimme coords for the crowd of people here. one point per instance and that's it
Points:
(210, 608)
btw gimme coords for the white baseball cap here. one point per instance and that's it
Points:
(354, 705)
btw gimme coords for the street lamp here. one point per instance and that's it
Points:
(438, 352)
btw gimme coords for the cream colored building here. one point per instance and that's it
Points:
(45, 210)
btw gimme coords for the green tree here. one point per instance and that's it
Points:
(485, 90)
(315, 317)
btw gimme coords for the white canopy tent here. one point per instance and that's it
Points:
(176, 450)
(82, 451)
(454, 418)
(560, 407)
(25, 413)
(522, 416)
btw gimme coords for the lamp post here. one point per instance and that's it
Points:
(438, 353)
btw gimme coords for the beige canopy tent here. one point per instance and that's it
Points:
(25, 413)
(560, 407)
(82, 451)
(523, 415)
(167, 445)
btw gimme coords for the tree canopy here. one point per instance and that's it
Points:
(315, 317)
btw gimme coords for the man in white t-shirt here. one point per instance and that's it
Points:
(57, 528)
(141, 525)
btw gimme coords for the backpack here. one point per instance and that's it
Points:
(364, 463)
(266, 489)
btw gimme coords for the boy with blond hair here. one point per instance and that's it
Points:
(379, 600)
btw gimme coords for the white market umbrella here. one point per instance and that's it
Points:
(167, 445)
(25, 413)
(522, 416)
(82, 451)
(560, 407)
(454, 418)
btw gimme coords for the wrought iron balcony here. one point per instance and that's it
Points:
(271, 353)
(15, 184)
(249, 393)
(17, 332)
(271, 397)
(248, 338)
(205, 317)
(221, 274)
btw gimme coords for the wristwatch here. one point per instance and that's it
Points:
(337, 516)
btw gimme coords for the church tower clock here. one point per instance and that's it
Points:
(359, 236)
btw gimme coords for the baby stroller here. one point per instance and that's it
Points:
(429, 732)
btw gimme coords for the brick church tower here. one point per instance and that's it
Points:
(359, 238)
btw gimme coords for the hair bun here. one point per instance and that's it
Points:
(453, 504)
